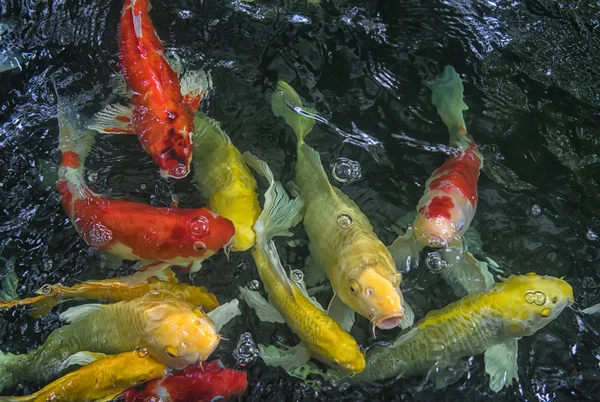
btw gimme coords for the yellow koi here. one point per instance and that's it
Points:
(225, 181)
(100, 380)
(342, 241)
(322, 338)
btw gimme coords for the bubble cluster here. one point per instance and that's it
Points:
(435, 263)
(99, 235)
(246, 353)
(345, 170)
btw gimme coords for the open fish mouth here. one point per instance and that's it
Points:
(389, 322)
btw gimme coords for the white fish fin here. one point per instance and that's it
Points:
(196, 266)
(287, 358)
(409, 315)
(464, 273)
(263, 309)
(321, 288)
(405, 251)
(81, 359)
(77, 313)
(8, 288)
(595, 309)
(301, 286)
(113, 119)
(501, 364)
(447, 96)
(225, 313)
(293, 189)
(401, 225)
(444, 376)
(314, 273)
(167, 275)
(194, 85)
(340, 313)
(144, 273)
(404, 337)
(472, 241)
(286, 103)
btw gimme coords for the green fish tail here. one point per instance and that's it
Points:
(447, 96)
(10, 367)
(286, 103)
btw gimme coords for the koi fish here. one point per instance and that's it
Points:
(173, 331)
(163, 109)
(132, 230)
(225, 181)
(492, 322)
(100, 380)
(446, 209)
(112, 291)
(342, 241)
(202, 382)
(320, 336)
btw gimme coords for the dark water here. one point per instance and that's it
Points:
(531, 81)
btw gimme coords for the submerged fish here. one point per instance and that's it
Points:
(132, 230)
(100, 380)
(202, 382)
(225, 181)
(163, 109)
(342, 242)
(114, 290)
(173, 331)
(321, 337)
(490, 322)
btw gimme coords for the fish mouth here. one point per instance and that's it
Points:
(389, 322)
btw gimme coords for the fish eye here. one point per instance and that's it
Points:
(461, 224)
(199, 246)
(555, 300)
(46, 289)
(354, 286)
(369, 292)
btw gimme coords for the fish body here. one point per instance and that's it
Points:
(112, 291)
(162, 118)
(100, 380)
(225, 180)
(131, 230)
(342, 241)
(202, 382)
(475, 324)
(173, 331)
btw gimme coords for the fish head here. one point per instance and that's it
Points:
(178, 334)
(439, 230)
(530, 302)
(375, 296)
(207, 232)
(141, 368)
(350, 358)
(167, 136)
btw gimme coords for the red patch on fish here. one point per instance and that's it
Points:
(124, 119)
(439, 207)
(202, 382)
(459, 172)
(70, 159)
(162, 119)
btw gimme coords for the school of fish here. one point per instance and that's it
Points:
(148, 336)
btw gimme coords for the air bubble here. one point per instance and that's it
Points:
(180, 170)
(199, 225)
(254, 284)
(246, 353)
(297, 275)
(185, 14)
(345, 170)
(99, 235)
(536, 210)
(435, 263)
(141, 352)
(47, 264)
(591, 235)
(344, 221)
(92, 176)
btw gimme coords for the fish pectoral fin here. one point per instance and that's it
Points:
(401, 225)
(501, 364)
(409, 315)
(405, 251)
(447, 375)
(472, 241)
(302, 372)
(595, 309)
(77, 313)
(194, 86)
(224, 313)
(288, 358)
(263, 309)
(464, 273)
(81, 359)
(113, 119)
(167, 275)
(340, 313)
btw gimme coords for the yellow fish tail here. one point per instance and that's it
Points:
(286, 103)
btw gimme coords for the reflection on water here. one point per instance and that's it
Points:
(531, 72)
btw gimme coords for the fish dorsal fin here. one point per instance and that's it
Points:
(301, 286)
(81, 359)
(224, 313)
(77, 313)
(341, 313)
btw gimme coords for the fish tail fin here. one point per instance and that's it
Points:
(10, 367)
(447, 96)
(286, 103)
(73, 144)
(41, 307)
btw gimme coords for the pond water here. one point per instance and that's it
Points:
(531, 75)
